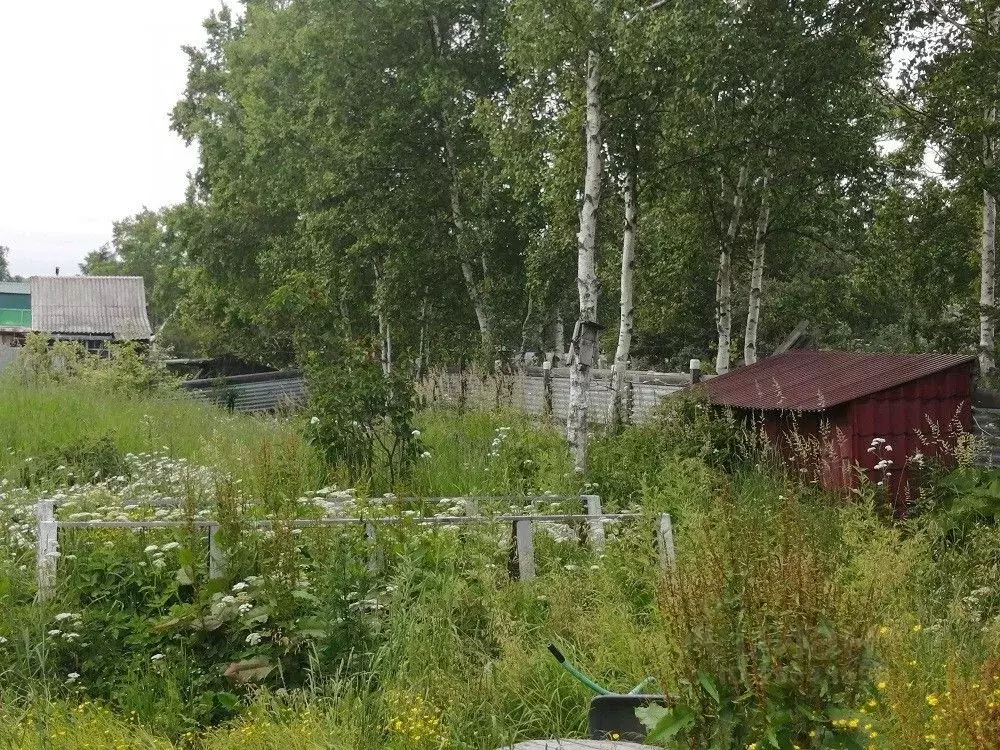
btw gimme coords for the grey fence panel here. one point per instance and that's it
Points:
(251, 393)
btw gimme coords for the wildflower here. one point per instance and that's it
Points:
(157, 657)
(66, 616)
(242, 585)
(2, 640)
(254, 638)
(54, 632)
(170, 546)
(425, 454)
(151, 549)
(882, 685)
(72, 677)
(932, 700)
(314, 420)
(917, 628)
(883, 630)
(415, 433)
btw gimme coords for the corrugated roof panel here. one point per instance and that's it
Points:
(90, 305)
(816, 380)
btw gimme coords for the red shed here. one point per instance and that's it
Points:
(842, 401)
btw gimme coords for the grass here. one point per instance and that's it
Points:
(792, 615)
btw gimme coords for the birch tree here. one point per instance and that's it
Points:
(952, 97)
(757, 268)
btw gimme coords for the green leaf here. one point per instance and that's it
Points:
(709, 687)
(673, 722)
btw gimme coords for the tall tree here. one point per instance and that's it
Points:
(953, 94)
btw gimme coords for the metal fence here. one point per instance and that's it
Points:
(542, 390)
(521, 525)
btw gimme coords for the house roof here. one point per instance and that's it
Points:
(818, 380)
(99, 305)
(15, 287)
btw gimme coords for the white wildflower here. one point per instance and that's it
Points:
(425, 454)
(157, 657)
(55, 632)
(254, 638)
(314, 420)
(72, 677)
(415, 433)
(241, 586)
(66, 616)
(151, 549)
(170, 546)
(2, 640)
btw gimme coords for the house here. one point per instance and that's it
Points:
(858, 411)
(90, 309)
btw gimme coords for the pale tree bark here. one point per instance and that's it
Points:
(626, 324)
(472, 285)
(987, 285)
(757, 271)
(724, 279)
(559, 338)
(586, 281)
(384, 330)
(422, 353)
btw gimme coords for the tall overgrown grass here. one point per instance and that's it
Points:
(793, 618)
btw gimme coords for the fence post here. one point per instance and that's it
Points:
(216, 557)
(596, 526)
(695, 370)
(374, 563)
(547, 389)
(665, 545)
(629, 414)
(471, 505)
(48, 548)
(524, 546)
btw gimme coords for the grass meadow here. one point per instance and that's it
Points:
(794, 618)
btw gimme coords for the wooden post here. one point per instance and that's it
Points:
(216, 557)
(374, 560)
(524, 546)
(596, 527)
(629, 400)
(665, 545)
(547, 389)
(47, 549)
(471, 506)
(695, 370)
(463, 388)
(497, 381)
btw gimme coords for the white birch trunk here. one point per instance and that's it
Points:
(757, 272)
(626, 323)
(458, 221)
(559, 338)
(724, 279)
(579, 384)
(987, 285)
(384, 333)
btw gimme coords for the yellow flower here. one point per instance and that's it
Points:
(917, 628)
(882, 685)
(883, 630)
(932, 699)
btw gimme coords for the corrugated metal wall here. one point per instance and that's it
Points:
(251, 393)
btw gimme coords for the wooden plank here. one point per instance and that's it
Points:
(577, 745)
(524, 543)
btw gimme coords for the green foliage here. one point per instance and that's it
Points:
(123, 367)
(362, 417)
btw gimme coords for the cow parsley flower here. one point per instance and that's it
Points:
(157, 657)
(314, 420)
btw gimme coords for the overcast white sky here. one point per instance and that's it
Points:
(86, 89)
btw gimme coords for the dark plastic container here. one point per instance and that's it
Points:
(613, 716)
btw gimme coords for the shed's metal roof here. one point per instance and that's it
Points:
(114, 305)
(15, 287)
(815, 380)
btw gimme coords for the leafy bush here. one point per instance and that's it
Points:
(361, 417)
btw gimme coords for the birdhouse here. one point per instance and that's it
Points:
(586, 340)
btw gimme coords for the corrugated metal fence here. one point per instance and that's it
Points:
(522, 389)
(269, 391)
(528, 389)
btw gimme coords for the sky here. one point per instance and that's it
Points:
(86, 90)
